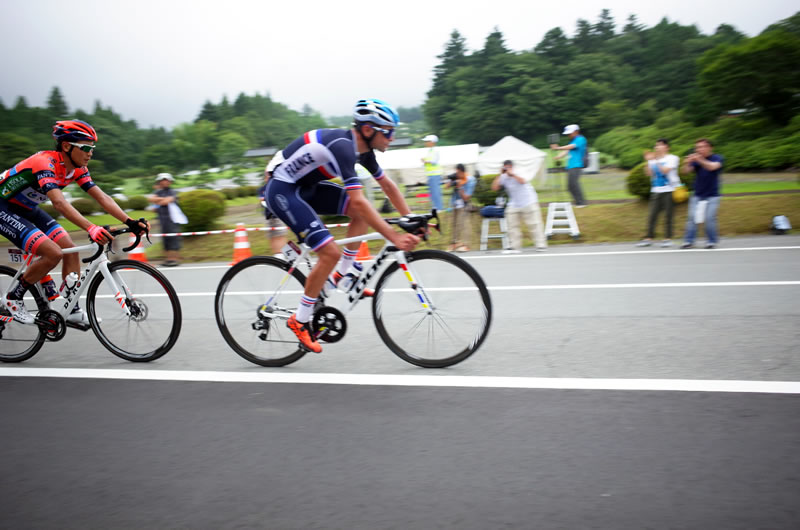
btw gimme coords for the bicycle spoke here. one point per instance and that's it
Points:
(455, 321)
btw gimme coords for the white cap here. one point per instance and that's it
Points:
(431, 138)
(162, 176)
(277, 158)
(569, 129)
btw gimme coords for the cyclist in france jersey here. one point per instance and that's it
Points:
(39, 178)
(298, 191)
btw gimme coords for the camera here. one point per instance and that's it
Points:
(453, 178)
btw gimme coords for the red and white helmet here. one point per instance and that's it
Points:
(73, 131)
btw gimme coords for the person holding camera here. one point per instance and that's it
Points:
(704, 203)
(577, 150)
(662, 168)
(523, 206)
(463, 186)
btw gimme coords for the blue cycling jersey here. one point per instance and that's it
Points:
(325, 154)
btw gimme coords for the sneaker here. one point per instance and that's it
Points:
(711, 245)
(336, 277)
(666, 243)
(511, 251)
(581, 206)
(541, 249)
(462, 248)
(303, 333)
(687, 245)
(644, 243)
(17, 310)
(171, 263)
(78, 316)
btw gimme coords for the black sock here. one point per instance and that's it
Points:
(18, 292)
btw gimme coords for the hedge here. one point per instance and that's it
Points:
(202, 208)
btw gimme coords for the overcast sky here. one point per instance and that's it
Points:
(158, 61)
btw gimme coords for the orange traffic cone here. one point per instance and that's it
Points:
(241, 246)
(363, 252)
(137, 254)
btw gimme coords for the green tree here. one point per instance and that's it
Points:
(56, 105)
(231, 147)
(14, 148)
(759, 73)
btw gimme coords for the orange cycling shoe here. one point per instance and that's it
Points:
(303, 332)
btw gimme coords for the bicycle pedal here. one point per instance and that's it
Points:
(82, 327)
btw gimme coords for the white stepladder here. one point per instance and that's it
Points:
(561, 220)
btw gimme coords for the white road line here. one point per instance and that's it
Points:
(551, 254)
(528, 287)
(656, 385)
(627, 252)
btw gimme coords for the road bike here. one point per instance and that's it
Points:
(137, 316)
(431, 308)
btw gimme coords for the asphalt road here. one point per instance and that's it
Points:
(86, 451)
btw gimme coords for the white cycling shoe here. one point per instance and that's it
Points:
(79, 316)
(17, 310)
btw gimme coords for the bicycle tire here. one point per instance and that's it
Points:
(15, 334)
(459, 302)
(259, 336)
(155, 325)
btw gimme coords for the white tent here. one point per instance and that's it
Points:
(405, 165)
(529, 162)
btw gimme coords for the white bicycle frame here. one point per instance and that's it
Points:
(98, 264)
(354, 293)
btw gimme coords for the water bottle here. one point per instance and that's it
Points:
(68, 285)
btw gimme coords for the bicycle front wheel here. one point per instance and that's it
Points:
(154, 323)
(434, 315)
(254, 300)
(18, 342)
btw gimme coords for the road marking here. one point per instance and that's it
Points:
(540, 255)
(627, 252)
(656, 385)
(521, 288)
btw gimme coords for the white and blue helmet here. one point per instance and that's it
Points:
(375, 111)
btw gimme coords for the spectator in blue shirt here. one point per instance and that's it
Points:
(463, 186)
(575, 163)
(704, 203)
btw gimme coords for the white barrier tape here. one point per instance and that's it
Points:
(233, 230)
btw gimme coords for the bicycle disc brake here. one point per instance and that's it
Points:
(52, 324)
(328, 324)
(138, 310)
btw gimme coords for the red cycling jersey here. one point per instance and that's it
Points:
(27, 183)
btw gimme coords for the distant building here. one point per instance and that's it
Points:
(260, 152)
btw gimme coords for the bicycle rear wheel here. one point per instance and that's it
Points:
(435, 315)
(254, 300)
(154, 324)
(19, 342)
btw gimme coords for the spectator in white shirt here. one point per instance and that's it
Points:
(523, 206)
(662, 168)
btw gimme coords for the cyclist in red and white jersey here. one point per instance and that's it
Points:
(299, 191)
(39, 178)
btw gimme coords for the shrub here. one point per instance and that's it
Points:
(248, 191)
(85, 206)
(50, 210)
(202, 208)
(483, 194)
(638, 182)
(138, 202)
(230, 193)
